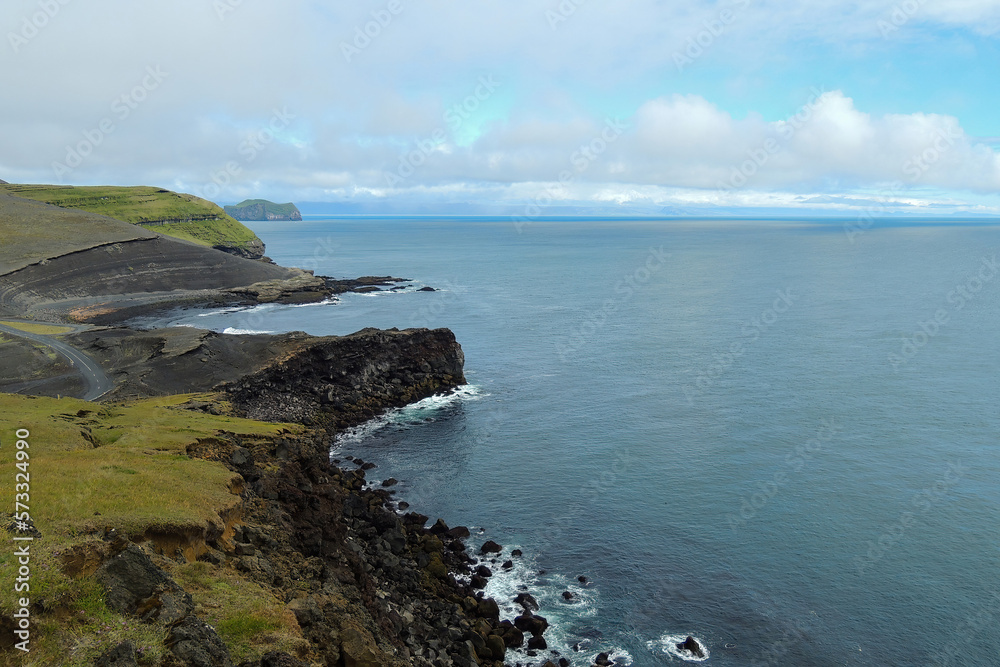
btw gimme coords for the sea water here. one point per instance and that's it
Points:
(780, 437)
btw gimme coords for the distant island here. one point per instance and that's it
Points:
(261, 209)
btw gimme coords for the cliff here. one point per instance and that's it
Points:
(261, 209)
(213, 539)
(179, 215)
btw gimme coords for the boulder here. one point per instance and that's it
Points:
(459, 532)
(496, 646)
(196, 644)
(122, 655)
(691, 646)
(135, 586)
(527, 622)
(357, 648)
(281, 659)
(491, 547)
(527, 601)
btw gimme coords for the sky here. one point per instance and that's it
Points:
(873, 107)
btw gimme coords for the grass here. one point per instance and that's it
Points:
(31, 231)
(173, 214)
(244, 614)
(139, 477)
(44, 329)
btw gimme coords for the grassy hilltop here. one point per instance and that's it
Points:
(174, 214)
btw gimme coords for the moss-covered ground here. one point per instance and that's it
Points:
(123, 467)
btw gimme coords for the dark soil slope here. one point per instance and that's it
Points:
(124, 275)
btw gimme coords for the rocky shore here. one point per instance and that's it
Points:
(368, 584)
(361, 582)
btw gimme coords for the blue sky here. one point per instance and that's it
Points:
(637, 106)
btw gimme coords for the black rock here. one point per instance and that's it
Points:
(582, 579)
(692, 646)
(526, 622)
(281, 659)
(439, 527)
(392, 481)
(478, 583)
(134, 585)
(527, 601)
(537, 644)
(567, 595)
(491, 547)
(427, 289)
(122, 655)
(459, 532)
(603, 660)
(508, 564)
(516, 553)
(195, 643)
(484, 572)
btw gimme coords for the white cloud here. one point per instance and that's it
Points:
(356, 120)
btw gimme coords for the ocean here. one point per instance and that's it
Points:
(780, 437)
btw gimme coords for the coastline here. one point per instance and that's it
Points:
(364, 585)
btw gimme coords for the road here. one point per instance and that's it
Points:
(94, 377)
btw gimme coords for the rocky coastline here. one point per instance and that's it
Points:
(369, 583)
(363, 582)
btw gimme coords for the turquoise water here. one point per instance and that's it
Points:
(776, 436)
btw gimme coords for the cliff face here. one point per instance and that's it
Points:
(261, 209)
(339, 382)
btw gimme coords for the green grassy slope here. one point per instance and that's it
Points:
(95, 468)
(174, 214)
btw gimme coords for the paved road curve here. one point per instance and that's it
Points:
(98, 383)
